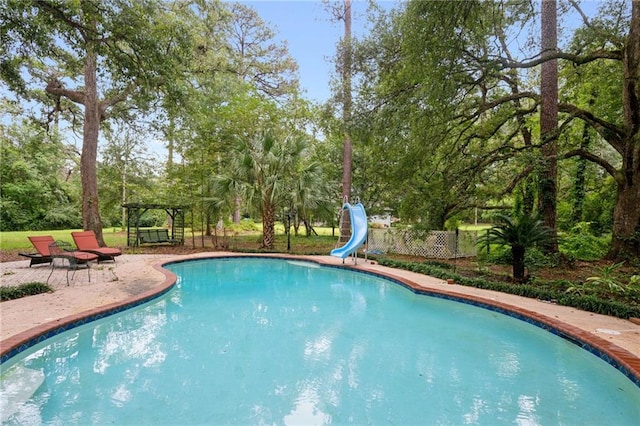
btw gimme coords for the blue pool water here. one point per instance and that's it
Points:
(266, 341)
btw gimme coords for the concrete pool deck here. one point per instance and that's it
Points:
(134, 277)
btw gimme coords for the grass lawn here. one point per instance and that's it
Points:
(113, 237)
(19, 239)
(478, 227)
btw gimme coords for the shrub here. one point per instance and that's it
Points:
(498, 255)
(610, 282)
(245, 225)
(27, 289)
(557, 291)
(581, 244)
(519, 233)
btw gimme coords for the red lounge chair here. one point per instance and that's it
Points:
(41, 244)
(87, 242)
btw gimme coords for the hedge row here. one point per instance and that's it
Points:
(587, 303)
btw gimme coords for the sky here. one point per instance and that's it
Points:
(311, 37)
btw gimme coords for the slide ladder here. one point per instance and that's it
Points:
(359, 230)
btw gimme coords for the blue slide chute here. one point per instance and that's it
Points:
(359, 229)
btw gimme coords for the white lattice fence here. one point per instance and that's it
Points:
(433, 244)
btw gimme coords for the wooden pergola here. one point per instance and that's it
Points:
(135, 212)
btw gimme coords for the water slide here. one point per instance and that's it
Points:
(359, 230)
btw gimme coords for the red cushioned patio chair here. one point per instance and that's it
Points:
(87, 242)
(41, 244)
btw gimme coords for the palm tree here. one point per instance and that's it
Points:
(519, 233)
(313, 195)
(261, 171)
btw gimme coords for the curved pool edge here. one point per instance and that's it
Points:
(20, 342)
(618, 357)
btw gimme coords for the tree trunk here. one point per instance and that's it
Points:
(547, 190)
(268, 225)
(517, 254)
(124, 194)
(346, 107)
(347, 149)
(625, 241)
(577, 206)
(207, 223)
(237, 204)
(90, 210)
(528, 195)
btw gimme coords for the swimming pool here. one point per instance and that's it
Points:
(253, 341)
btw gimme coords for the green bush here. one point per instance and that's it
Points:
(27, 289)
(555, 291)
(245, 225)
(536, 259)
(582, 244)
(498, 255)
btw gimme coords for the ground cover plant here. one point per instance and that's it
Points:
(622, 301)
(26, 289)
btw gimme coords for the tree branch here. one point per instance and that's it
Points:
(49, 7)
(109, 102)
(609, 131)
(56, 88)
(615, 55)
(523, 174)
(596, 160)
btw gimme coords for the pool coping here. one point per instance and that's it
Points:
(618, 357)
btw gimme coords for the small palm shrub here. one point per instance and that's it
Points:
(609, 282)
(518, 233)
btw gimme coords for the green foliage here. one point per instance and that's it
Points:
(600, 305)
(498, 255)
(34, 190)
(537, 259)
(609, 277)
(77, 58)
(556, 291)
(609, 282)
(522, 231)
(27, 289)
(125, 170)
(534, 259)
(270, 171)
(245, 225)
(452, 115)
(597, 202)
(519, 234)
(581, 244)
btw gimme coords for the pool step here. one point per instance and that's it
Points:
(17, 386)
